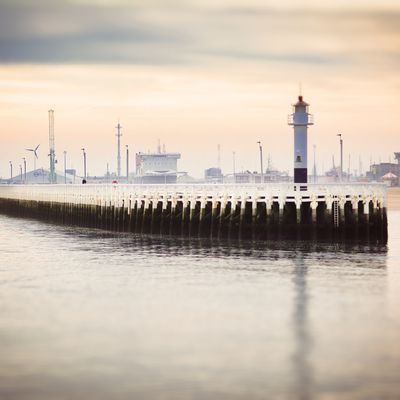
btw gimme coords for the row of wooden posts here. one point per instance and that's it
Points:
(215, 218)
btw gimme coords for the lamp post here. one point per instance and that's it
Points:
(315, 165)
(261, 162)
(24, 159)
(84, 162)
(127, 163)
(65, 167)
(11, 171)
(234, 166)
(341, 157)
(20, 172)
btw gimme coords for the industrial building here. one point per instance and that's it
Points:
(40, 176)
(213, 175)
(386, 171)
(270, 175)
(160, 167)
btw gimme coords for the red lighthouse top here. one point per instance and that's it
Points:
(301, 102)
(300, 115)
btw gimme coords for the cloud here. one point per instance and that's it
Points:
(180, 32)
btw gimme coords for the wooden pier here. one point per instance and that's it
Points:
(317, 211)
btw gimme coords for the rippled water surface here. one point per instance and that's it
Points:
(91, 315)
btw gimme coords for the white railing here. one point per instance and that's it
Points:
(104, 194)
(303, 119)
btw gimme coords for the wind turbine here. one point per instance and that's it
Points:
(35, 156)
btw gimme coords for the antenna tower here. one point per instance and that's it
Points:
(52, 153)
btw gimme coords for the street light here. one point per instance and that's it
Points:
(127, 163)
(84, 163)
(261, 162)
(65, 166)
(315, 166)
(24, 169)
(20, 172)
(11, 172)
(341, 157)
(234, 166)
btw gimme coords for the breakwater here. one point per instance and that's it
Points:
(315, 211)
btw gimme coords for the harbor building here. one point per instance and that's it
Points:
(386, 171)
(40, 176)
(269, 176)
(213, 175)
(160, 167)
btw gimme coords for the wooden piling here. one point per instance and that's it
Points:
(226, 211)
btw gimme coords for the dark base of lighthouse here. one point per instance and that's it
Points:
(300, 175)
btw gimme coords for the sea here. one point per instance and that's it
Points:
(87, 314)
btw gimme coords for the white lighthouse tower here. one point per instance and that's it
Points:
(300, 119)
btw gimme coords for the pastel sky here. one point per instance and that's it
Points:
(196, 73)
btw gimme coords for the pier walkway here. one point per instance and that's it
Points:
(212, 210)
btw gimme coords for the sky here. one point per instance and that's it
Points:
(194, 74)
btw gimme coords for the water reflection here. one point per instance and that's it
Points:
(168, 317)
(303, 256)
(302, 337)
(202, 247)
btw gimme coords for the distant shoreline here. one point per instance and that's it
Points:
(394, 198)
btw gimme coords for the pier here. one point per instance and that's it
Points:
(314, 211)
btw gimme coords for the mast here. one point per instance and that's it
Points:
(119, 134)
(52, 152)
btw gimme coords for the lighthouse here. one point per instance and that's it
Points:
(300, 120)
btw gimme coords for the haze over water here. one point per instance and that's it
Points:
(92, 315)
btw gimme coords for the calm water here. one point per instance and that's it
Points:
(90, 315)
